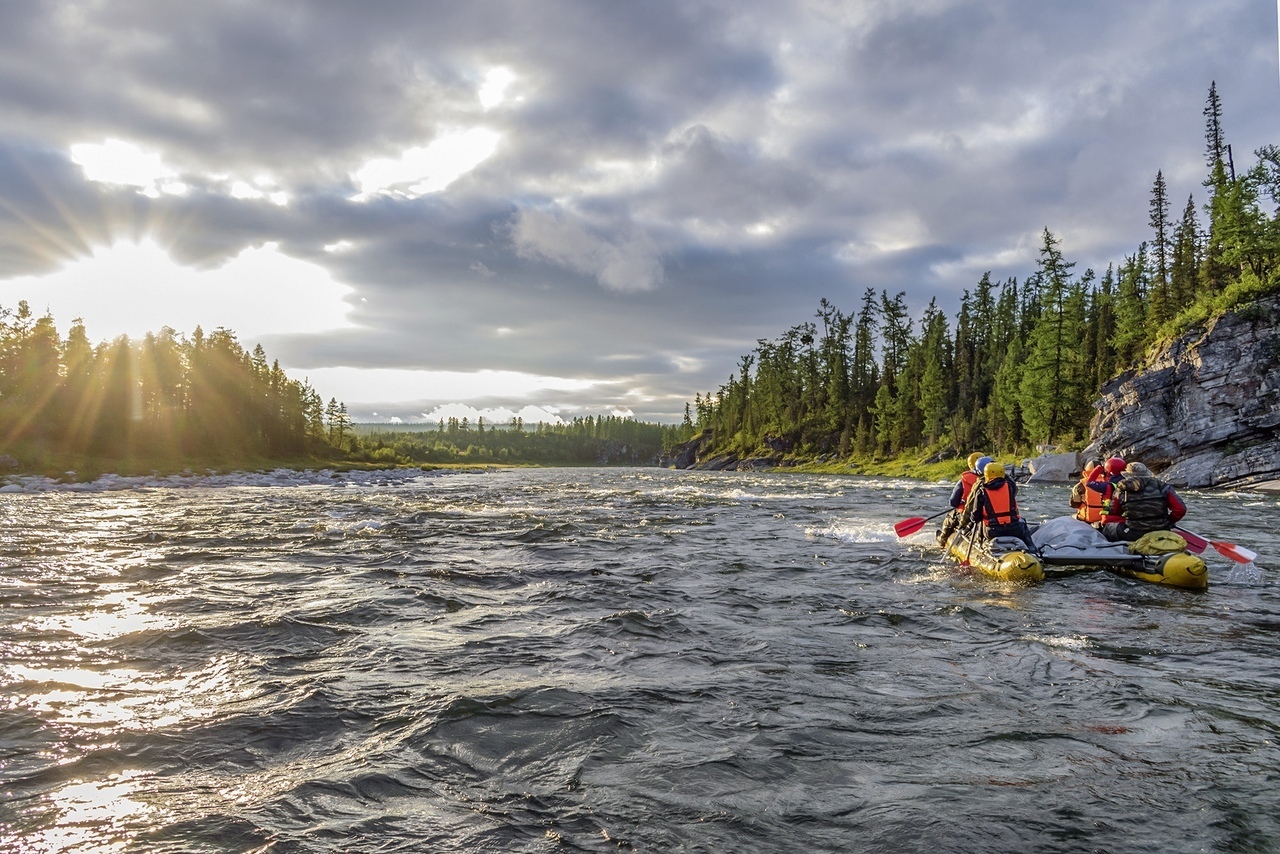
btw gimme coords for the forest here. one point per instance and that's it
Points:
(585, 440)
(153, 403)
(171, 401)
(1024, 360)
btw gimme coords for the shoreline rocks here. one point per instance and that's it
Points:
(1206, 412)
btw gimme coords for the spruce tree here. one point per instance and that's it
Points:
(1132, 333)
(1215, 270)
(1162, 305)
(1054, 372)
(1184, 267)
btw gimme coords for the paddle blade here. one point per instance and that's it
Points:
(1237, 553)
(1196, 544)
(907, 527)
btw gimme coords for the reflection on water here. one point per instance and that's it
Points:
(91, 816)
(612, 660)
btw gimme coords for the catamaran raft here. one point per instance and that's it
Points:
(1066, 544)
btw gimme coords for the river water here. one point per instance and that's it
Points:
(569, 660)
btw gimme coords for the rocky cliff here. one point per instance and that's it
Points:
(1206, 411)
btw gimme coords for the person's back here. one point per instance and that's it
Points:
(997, 506)
(1146, 503)
(960, 494)
(1101, 498)
(1079, 490)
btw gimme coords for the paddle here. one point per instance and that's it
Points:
(1197, 544)
(907, 527)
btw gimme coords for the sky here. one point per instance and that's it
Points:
(562, 208)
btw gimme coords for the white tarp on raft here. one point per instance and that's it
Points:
(1067, 535)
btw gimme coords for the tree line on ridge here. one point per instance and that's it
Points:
(1025, 360)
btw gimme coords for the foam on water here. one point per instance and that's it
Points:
(853, 532)
(211, 480)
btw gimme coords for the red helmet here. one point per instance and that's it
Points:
(1115, 465)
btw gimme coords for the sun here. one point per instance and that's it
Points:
(135, 288)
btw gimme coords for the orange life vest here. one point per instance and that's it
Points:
(1102, 493)
(1094, 509)
(967, 480)
(998, 505)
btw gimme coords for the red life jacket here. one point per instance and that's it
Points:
(967, 480)
(998, 506)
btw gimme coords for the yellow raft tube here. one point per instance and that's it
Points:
(1015, 565)
(1160, 557)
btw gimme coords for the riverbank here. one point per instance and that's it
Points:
(84, 469)
(914, 467)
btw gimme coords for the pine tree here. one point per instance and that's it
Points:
(1162, 305)
(895, 331)
(1101, 329)
(934, 387)
(864, 371)
(1216, 270)
(1054, 372)
(1131, 336)
(1184, 267)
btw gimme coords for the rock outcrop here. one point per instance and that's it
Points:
(695, 454)
(1053, 468)
(1206, 412)
(687, 454)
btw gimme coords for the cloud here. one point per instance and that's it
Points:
(118, 162)
(529, 415)
(630, 262)
(627, 196)
(428, 168)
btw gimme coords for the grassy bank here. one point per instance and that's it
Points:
(915, 466)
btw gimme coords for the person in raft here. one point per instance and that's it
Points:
(960, 495)
(1100, 501)
(993, 506)
(1144, 504)
(1092, 467)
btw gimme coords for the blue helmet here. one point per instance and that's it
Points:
(982, 464)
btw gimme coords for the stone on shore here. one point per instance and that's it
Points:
(1054, 468)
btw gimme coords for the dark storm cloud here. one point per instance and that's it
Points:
(673, 180)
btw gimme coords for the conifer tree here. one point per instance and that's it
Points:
(934, 386)
(1131, 336)
(1054, 372)
(1101, 328)
(1216, 271)
(1162, 305)
(865, 372)
(1184, 267)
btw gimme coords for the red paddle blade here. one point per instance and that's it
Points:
(1195, 543)
(1237, 553)
(907, 527)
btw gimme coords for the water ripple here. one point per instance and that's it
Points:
(590, 660)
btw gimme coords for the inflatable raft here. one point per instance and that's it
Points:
(1003, 559)
(1066, 544)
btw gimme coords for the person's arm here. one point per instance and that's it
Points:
(1176, 508)
(970, 506)
(956, 495)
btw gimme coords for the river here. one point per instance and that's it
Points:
(560, 660)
